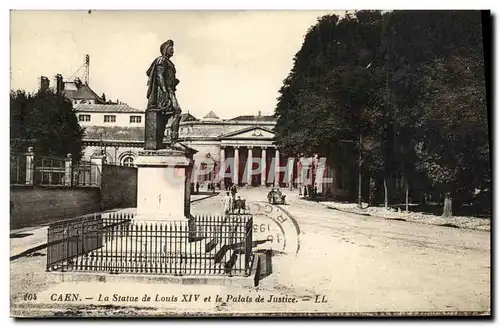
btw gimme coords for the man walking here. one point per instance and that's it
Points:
(234, 191)
(228, 203)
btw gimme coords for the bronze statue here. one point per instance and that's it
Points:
(162, 102)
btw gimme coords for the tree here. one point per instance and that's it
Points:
(409, 86)
(454, 150)
(47, 121)
(325, 102)
(438, 90)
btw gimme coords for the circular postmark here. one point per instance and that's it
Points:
(274, 228)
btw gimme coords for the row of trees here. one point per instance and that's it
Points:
(401, 95)
(47, 121)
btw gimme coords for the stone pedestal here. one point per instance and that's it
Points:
(163, 184)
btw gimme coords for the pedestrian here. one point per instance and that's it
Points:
(240, 202)
(228, 203)
(234, 190)
(197, 187)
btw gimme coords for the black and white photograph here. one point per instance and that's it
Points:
(250, 163)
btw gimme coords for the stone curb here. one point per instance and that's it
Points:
(401, 219)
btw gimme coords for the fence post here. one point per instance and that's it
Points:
(30, 166)
(68, 170)
(96, 161)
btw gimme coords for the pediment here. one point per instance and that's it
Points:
(252, 133)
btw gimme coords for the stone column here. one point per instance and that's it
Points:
(96, 161)
(236, 165)
(263, 167)
(222, 168)
(68, 171)
(249, 166)
(30, 166)
(277, 168)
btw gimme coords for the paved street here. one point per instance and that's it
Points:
(353, 263)
(370, 264)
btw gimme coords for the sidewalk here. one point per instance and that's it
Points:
(474, 223)
(27, 240)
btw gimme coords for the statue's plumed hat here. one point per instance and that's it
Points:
(169, 43)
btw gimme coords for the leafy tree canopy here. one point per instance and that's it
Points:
(45, 120)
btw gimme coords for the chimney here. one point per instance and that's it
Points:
(44, 84)
(78, 82)
(59, 84)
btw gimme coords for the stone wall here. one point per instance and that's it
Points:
(118, 187)
(36, 205)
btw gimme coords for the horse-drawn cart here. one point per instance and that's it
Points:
(276, 197)
(239, 206)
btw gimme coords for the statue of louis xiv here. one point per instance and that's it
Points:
(162, 102)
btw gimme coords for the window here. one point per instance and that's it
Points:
(135, 119)
(128, 161)
(109, 118)
(83, 117)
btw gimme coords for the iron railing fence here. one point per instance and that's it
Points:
(17, 168)
(26, 169)
(48, 171)
(86, 173)
(206, 245)
(68, 239)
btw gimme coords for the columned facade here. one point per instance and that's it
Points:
(248, 165)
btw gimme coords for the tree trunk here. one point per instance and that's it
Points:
(447, 207)
(386, 196)
(360, 178)
(372, 191)
(407, 204)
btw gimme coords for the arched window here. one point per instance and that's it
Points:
(128, 161)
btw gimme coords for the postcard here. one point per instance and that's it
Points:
(250, 163)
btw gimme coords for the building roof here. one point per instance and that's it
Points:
(187, 117)
(242, 132)
(211, 115)
(80, 91)
(111, 108)
(255, 117)
(114, 133)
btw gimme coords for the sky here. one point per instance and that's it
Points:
(230, 62)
